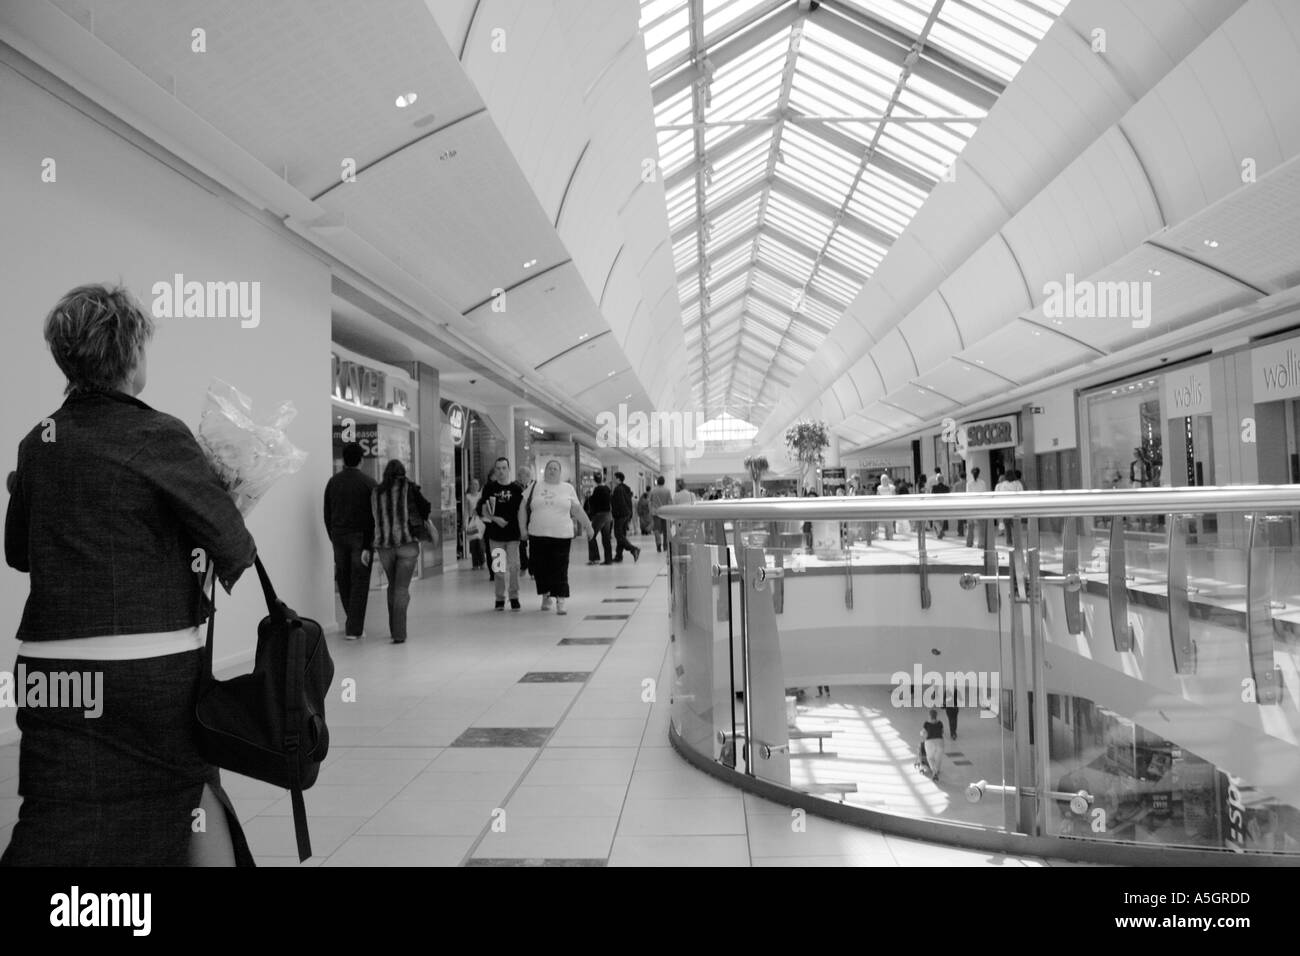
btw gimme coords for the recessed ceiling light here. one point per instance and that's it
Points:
(405, 100)
(530, 263)
(627, 396)
(1154, 272)
(1212, 243)
(447, 154)
(611, 374)
(583, 336)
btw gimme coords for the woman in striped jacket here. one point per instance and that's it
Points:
(400, 512)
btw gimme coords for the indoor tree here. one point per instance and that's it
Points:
(757, 467)
(804, 441)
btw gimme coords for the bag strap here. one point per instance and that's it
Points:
(296, 661)
(212, 619)
(274, 606)
(528, 505)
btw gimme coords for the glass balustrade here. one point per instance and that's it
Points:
(896, 659)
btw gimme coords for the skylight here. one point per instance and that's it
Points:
(796, 145)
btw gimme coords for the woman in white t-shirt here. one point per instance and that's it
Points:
(551, 507)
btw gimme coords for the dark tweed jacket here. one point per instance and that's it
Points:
(106, 516)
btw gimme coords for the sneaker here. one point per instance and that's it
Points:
(499, 606)
(546, 602)
(354, 637)
(559, 606)
(636, 555)
(514, 604)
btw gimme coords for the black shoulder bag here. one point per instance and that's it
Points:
(270, 724)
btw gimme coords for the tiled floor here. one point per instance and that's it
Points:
(502, 738)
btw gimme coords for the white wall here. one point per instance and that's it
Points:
(116, 214)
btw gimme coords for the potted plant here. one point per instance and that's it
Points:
(805, 442)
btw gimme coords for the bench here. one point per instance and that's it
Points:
(824, 788)
(821, 736)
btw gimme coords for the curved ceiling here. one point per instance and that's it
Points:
(1120, 167)
(486, 220)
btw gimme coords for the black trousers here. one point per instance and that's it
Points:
(620, 535)
(952, 721)
(550, 564)
(352, 578)
(603, 523)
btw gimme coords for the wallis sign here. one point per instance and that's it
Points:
(1275, 371)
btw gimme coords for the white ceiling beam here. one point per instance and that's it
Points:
(724, 53)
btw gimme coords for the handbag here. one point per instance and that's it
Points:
(270, 724)
(420, 525)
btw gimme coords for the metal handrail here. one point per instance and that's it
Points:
(1020, 504)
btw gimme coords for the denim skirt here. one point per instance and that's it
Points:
(120, 788)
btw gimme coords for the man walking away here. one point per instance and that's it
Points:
(350, 526)
(939, 487)
(660, 497)
(599, 507)
(623, 511)
(643, 513)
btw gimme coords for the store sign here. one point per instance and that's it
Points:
(367, 436)
(363, 385)
(456, 422)
(1275, 371)
(992, 433)
(1235, 833)
(1187, 392)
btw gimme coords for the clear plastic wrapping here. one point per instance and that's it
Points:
(248, 456)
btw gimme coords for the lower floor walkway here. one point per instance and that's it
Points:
(528, 738)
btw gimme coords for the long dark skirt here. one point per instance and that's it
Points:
(119, 789)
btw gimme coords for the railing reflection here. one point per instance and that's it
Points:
(1161, 665)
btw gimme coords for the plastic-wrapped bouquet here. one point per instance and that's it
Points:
(248, 456)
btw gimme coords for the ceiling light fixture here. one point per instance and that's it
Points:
(530, 263)
(405, 100)
(583, 336)
(1212, 243)
(1154, 272)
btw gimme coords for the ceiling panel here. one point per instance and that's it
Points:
(1022, 351)
(964, 381)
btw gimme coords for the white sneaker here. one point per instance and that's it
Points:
(559, 606)
(354, 637)
(546, 602)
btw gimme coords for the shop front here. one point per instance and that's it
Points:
(375, 405)
(993, 446)
(1275, 378)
